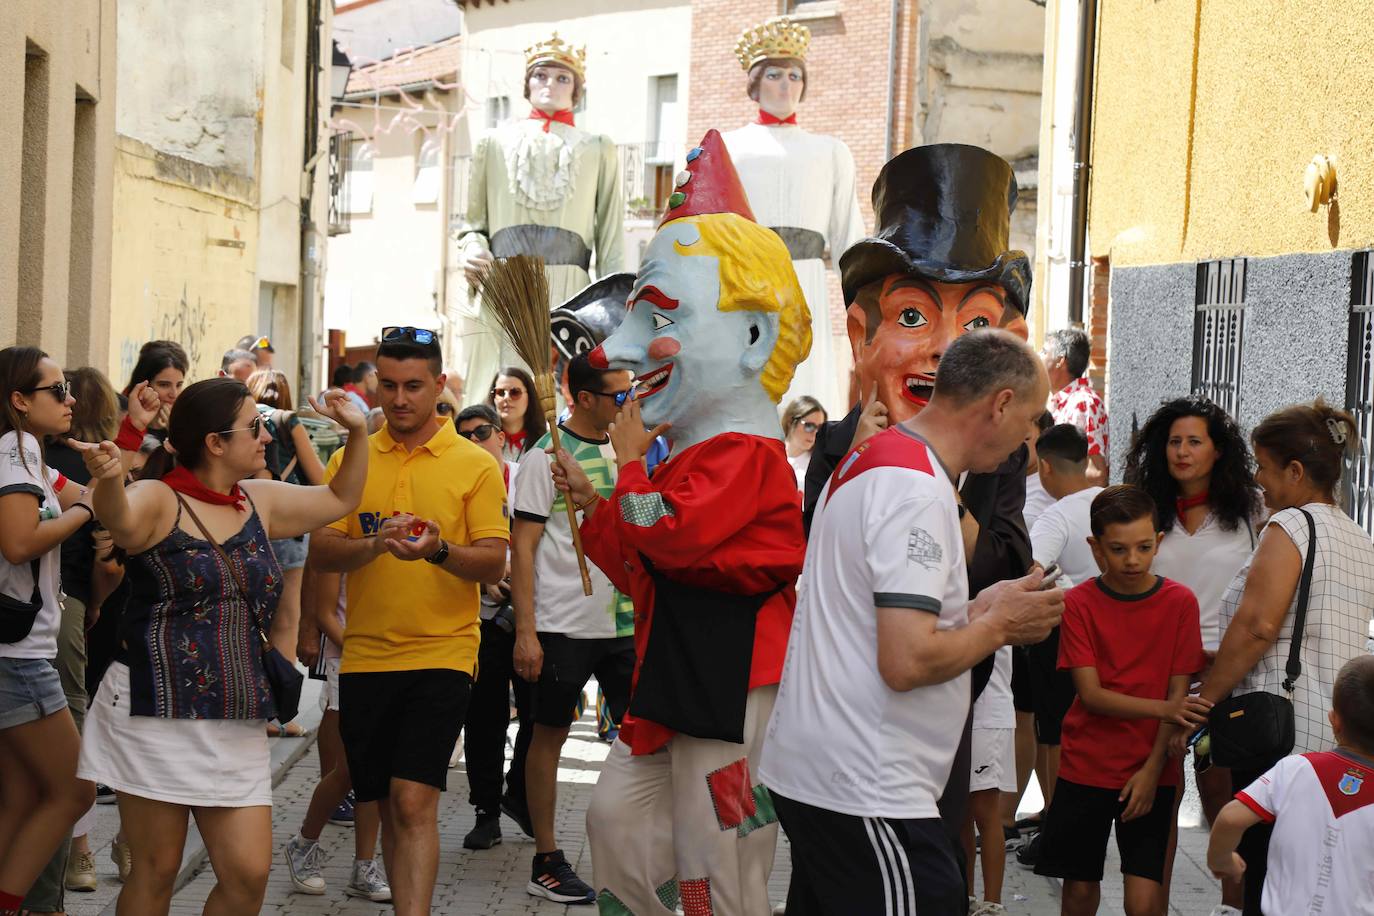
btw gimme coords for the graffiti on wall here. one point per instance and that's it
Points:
(187, 323)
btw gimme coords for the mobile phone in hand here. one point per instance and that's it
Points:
(1051, 577)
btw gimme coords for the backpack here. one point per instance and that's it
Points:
(280, 466)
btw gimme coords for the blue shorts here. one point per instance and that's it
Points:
(291, 551)
(29, 690)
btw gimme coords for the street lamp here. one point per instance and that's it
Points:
(338, 72)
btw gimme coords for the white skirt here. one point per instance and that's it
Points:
(200, 763)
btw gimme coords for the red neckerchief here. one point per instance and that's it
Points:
(768, 120)
(562, 117)
(1183, 503)
(517, 441)
(185, 483)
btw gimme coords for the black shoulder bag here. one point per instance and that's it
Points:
(1253, 731)
(16, 616)
(284, 679)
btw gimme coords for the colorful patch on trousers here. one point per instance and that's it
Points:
(763, 815)
(608, 904)
(696, 896)
(668, 894)
(731, 795)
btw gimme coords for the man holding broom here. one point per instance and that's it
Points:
(563, 636)
(431, 526)
(710, 548)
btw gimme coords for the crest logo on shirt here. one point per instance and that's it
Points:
(849, 462)
(1351, 782)
(922, 548)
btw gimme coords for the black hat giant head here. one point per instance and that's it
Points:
(589, 317)
(943, 212)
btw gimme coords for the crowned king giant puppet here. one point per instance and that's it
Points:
(540, 186)
(938, 265)
(709, 548)
(800, 184)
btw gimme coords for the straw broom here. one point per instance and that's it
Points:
(516, 291)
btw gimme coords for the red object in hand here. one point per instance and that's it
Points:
(419, 527)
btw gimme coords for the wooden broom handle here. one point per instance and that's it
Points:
(572, 516)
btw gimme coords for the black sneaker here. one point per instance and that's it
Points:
(104, 795)
(552, 877)
(487, 833)
(1029, 853)
(1011, 838)
(518, 811)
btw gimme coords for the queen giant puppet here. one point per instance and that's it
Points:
(800, 185)
(709, 547)
(540, 186)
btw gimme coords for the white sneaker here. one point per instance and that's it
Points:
(369, 882)
(303, 864)
(988, 909)
(1222, 909)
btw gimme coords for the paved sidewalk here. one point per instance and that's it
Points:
(492, 883)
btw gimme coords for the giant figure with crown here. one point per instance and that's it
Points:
(800, 184)
(709, 548)
(540, 186)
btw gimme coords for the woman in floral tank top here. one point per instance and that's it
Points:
(177, 726)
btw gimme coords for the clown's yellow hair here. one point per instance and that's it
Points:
(756, 275)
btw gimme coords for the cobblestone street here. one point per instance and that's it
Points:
(492, 883)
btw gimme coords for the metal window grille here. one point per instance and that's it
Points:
(340, 155)
(1219, 332)
(1359, 387)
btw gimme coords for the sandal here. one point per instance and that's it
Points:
(289, 730)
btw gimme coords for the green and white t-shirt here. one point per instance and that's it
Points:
(559, 603)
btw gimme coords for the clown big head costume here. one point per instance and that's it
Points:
(709, 549)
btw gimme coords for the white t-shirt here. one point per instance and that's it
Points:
(17, 581)
(886, 534)
(1038, 500)
(560, 605)
(994, 708)
(799, 465)
(488, 608)
(1061, 535)
(1206, 561)
(1322, 809)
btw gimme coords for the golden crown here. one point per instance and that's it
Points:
(557, 51)
(779, 37)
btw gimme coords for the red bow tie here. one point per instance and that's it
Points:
(767, 119)
(562, 117)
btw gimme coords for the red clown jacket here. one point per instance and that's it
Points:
(723, 515)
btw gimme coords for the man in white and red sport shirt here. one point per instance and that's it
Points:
(1066, 355)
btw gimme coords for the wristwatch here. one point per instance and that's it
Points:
(440, 555)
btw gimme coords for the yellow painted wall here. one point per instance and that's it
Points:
(1206, 115)
(185, 259)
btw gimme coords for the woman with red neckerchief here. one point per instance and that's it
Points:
(177, 726)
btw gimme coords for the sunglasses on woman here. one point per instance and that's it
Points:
(254, 427)
(479, 433)
(514, 394)
(59, 391)
(444, 410)
(807, 425)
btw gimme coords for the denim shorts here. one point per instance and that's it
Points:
(29, 690)
(291, 551)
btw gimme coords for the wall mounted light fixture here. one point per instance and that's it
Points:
(1319, 181)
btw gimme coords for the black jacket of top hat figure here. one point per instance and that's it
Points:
(943, 213)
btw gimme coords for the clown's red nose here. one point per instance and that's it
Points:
(597, 358)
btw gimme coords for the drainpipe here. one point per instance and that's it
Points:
(1082, 155)
(891, 78)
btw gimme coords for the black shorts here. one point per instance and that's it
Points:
(843, 865)
(401, 725)
(569, 663)
(1022, 697)
(1051, 690)
(1073, 842)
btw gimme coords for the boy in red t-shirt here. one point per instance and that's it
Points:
(1131, 641)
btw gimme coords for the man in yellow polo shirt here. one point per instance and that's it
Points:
(432, 525)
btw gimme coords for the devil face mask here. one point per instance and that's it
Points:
(899, 327)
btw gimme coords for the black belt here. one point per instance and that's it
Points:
(802, 244)
(555, 245)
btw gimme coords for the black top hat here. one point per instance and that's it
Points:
(944, 213)
(589, 317)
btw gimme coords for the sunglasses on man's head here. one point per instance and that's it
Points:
(59, 391)
(807, 425)
(479, 433)
(421, 336)
(262, 343)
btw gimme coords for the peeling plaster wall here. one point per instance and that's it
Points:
(191, 84)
